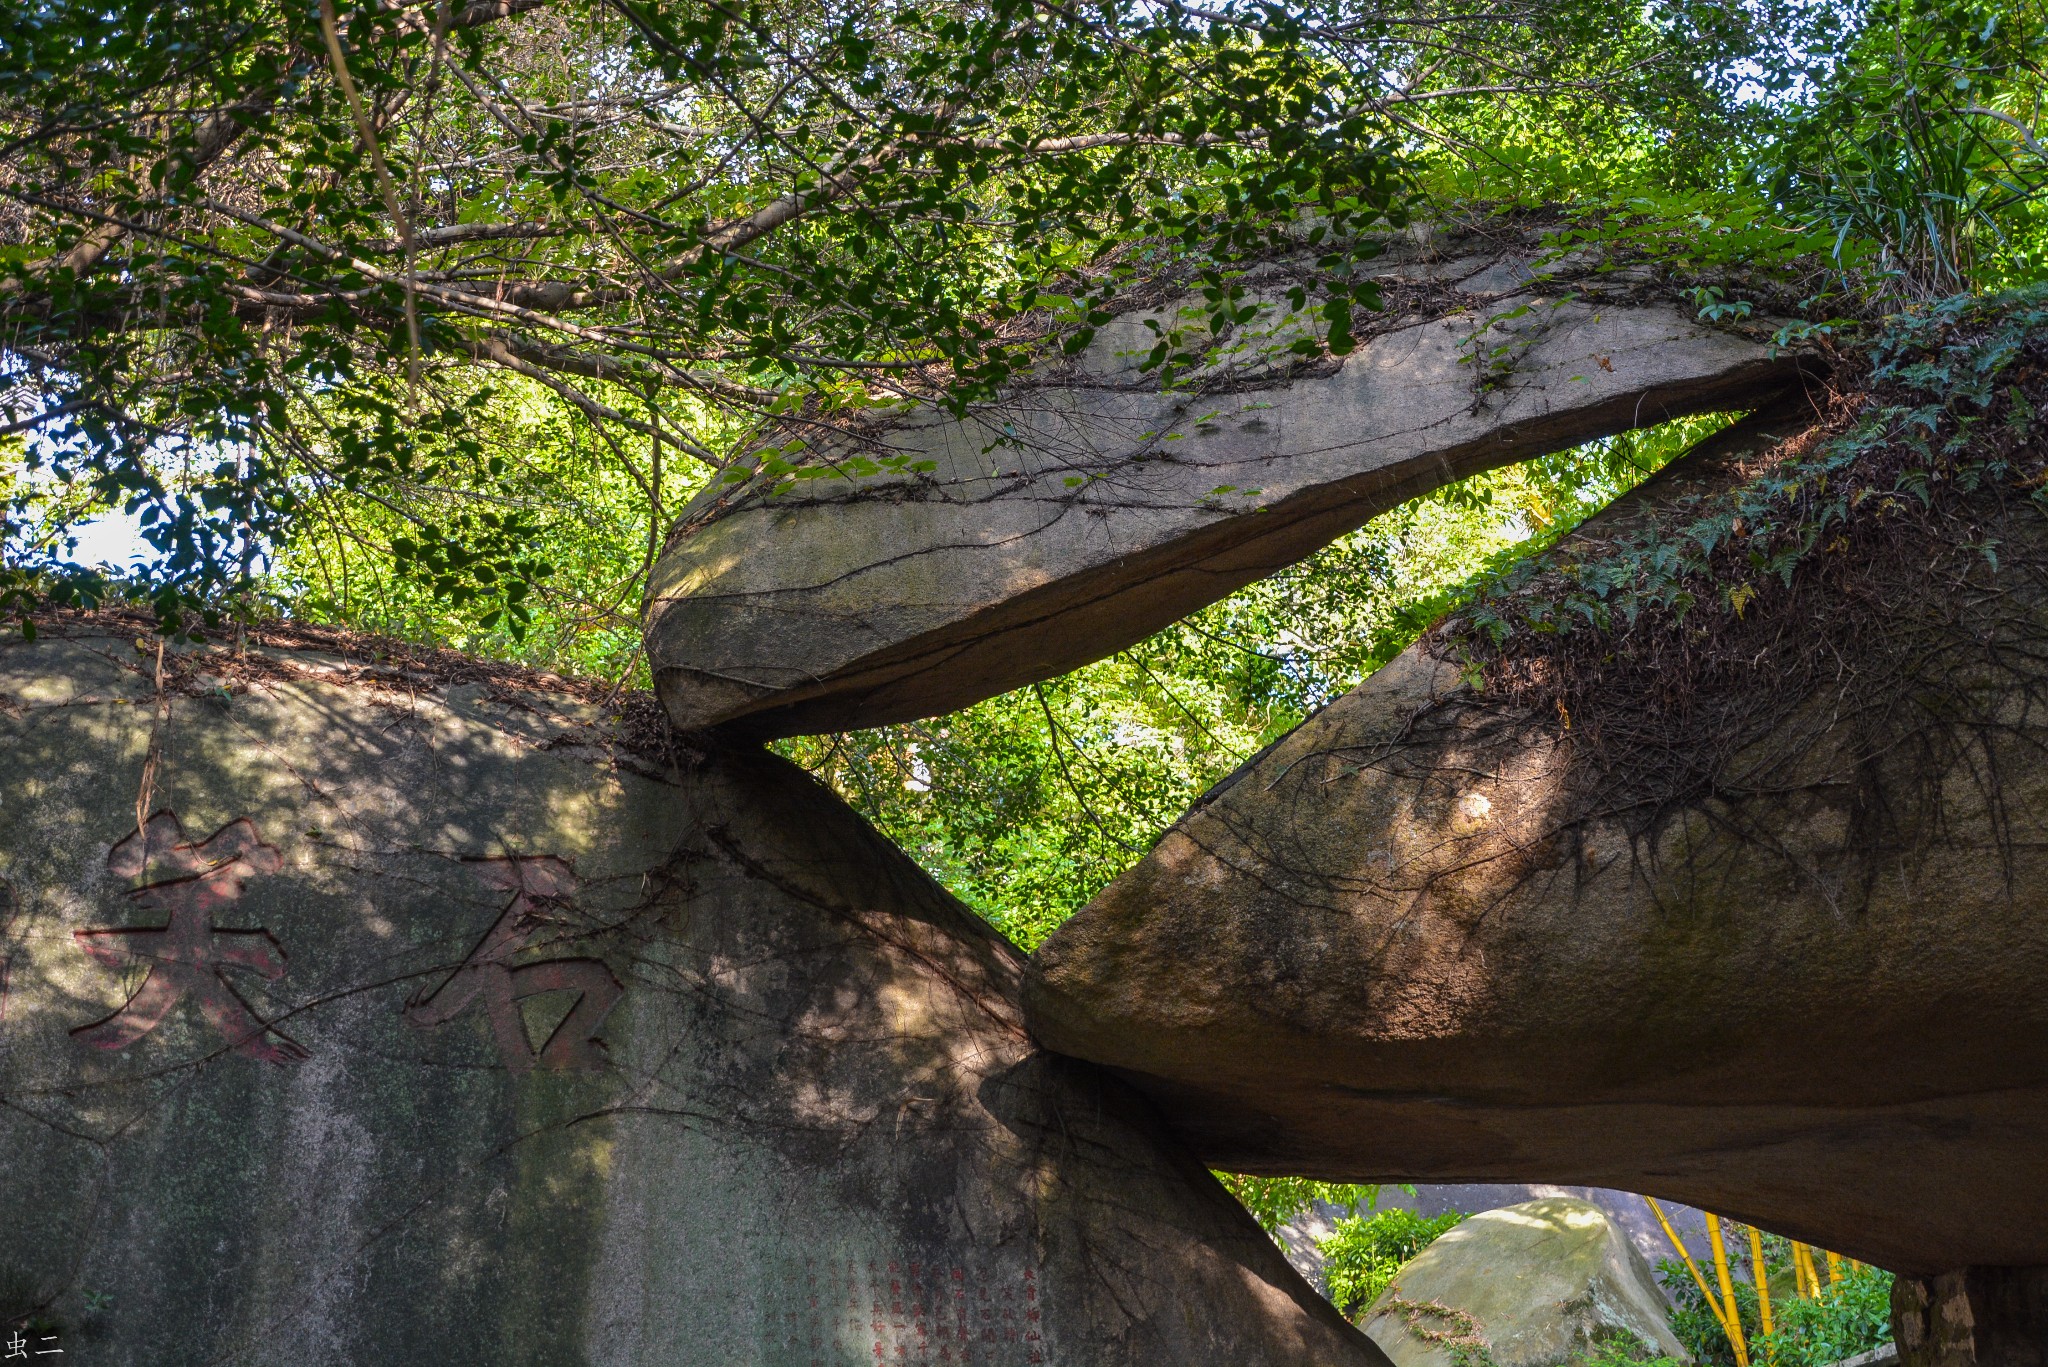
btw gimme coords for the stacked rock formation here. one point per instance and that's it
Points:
(353, 1011)
(1429, 935)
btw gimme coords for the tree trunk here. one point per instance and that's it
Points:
(1972, 1317)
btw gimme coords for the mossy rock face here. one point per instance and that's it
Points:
(1786, 966)
(359, 1013)
(1531, 1285)
(924, 563)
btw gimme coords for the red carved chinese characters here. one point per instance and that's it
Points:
(187, 955)
(909, 1311)
(7, 914)
(535, 883)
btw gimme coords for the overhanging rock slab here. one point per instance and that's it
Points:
(358, 1015)
(1091, 508)
(1433, 935)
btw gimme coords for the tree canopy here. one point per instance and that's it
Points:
(276, 273)
(428, 317)
(265, 263)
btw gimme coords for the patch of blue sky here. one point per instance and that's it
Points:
(115, 542)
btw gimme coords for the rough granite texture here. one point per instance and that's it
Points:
(1543, 1283)
(1971, 1317)
(433, 1024)
(1092, 509)
(1411, 941)
(1628, 1212)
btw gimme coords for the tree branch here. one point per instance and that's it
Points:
(2026, 133)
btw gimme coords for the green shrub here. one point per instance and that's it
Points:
(1854, 1317)
(1275, 1201)
(1362, 1255)
(1621, 1351)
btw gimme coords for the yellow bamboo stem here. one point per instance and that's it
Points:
(1835, 1268)
(1732, 1319)
(1802, 1266)
(1713, 1302)
(1762, 1279)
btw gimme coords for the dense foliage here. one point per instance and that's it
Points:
(428, 316)
(1362, 1255)
(1275, 1201)
(1851, 1317)
(267, 269)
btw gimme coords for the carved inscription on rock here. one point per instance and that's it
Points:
(541, 887)
(836, 1312)
(7, 914)
(188, 956)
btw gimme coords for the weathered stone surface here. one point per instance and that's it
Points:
(431, 1021)
(1541, 1283)
(1421, 938)
(1971, 1317)
(1627, 1211)
(1111, 509)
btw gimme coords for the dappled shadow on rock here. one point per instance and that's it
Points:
(1444, 933)
(903, 566)
(477, 1036)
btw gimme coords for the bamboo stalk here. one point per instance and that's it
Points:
(1835, 1267)
(1803, 1270)
(1713, 1302)
(1762, 1278)
(1733, 1321)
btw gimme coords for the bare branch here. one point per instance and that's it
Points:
(2026, 134)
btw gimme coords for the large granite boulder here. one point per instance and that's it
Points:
(1540, 1284)
(1771, 943)
(408, 1012)
(1300, 1237)
(919, 564)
